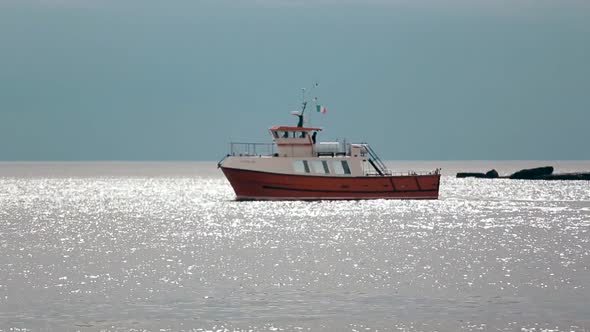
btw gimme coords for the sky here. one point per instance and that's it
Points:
(178, 80)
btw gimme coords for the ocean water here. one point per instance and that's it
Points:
(163, 246)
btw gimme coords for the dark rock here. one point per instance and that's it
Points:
(470, 175)
(533, 173)
(568, 176)
(539, 173)
(492, 174)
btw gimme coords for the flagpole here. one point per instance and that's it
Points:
(315, 85)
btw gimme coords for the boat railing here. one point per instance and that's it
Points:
(408, 173)
(251, 149)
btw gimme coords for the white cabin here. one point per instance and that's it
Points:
(295, 151)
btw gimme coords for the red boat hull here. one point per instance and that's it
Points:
(256, 185)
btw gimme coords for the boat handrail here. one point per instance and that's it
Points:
(408, 173)
(251, 149)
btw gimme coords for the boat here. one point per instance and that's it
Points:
(296, 167)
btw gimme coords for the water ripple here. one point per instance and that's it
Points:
(132, 253)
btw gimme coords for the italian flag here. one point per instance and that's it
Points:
(321, 109)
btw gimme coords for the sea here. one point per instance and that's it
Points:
(163, 246)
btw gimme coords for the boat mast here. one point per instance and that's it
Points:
(303, 106)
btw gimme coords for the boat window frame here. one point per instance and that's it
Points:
(337, 167)
(346, 167)
(326, 168)
(306, 166)
(320, 167)
(301, 166)
(298, 166)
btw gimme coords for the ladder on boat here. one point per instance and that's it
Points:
(376, 162)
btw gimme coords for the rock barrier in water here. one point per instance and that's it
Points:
(532, 173)
(538, 173)
(492, 174)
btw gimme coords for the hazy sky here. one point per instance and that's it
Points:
(178, 80)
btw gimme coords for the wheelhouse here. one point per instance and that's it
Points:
(294, 141)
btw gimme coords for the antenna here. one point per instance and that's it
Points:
(304, 105)
(303, 101)
(302, 95)
(315, 98)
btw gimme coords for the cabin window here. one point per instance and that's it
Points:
(298, 166)
(345, 167)
(275, 134)
(302, 134)
(326, 169)
(337, 167)
(320, 167)
(301, 166)
(306, 166)
(341, 167)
